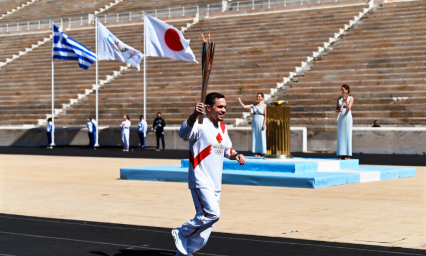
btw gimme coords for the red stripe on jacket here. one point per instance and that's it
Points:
(222, 126)
(195, 161)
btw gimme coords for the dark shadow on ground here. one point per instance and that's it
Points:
(38, 136)
(24, 235)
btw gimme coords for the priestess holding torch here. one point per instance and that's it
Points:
(344, 123)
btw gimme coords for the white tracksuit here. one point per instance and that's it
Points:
(208, 145)
(125, 130)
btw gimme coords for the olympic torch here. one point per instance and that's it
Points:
(207, 53)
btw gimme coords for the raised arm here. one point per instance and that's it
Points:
(187, 131)
(349, 106)
(199, 109)
(244, 106)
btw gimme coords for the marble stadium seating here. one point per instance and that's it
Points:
(382, 59)
(253, 54)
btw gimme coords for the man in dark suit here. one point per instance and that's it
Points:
(158, 126)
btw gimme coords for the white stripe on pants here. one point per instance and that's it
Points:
(198, 230)
(125, 138)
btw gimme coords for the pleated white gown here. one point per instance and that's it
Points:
(258, 135)
(344, 131)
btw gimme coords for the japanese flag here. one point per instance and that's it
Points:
(164, 40)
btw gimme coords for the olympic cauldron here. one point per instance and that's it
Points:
(278, 131)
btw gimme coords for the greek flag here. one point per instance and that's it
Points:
(66, 48)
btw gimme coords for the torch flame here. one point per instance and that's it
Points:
(204, 39)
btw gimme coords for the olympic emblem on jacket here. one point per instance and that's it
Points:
(117, 47)
(218, 149)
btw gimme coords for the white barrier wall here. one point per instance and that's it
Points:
(389, 140)
(74, 136)
(386, 140)
(374, 140)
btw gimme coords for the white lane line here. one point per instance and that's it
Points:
(95, 242)
(6, 255)
(234, 238)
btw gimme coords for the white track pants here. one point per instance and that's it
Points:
(125, 138)
(198, 229)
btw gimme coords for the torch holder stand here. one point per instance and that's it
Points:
(278, 131)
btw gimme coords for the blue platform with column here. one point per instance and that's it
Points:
(296, 172)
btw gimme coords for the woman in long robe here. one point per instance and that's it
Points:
(258, 125)
(344, 123)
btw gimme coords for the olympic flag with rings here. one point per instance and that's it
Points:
(111, 48)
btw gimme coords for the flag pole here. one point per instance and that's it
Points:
(144, 67)
(53, 90)
(97, 83)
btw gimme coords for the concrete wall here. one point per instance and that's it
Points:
(369, 140)
(74, 136)
(365, 140)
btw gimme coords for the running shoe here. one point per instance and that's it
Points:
(180, 241)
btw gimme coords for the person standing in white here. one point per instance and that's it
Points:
(209, 143)
(125, 131)
(142, 129)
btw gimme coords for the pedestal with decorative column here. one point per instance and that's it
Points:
(278, 131)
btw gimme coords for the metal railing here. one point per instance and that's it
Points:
(108, 18)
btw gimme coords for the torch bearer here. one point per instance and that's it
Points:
(207, 53)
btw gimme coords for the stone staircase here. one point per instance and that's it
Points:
(145, 5)
(8, 7)
(14, 46)
(47, 9)
(253, 53)
(26, 81)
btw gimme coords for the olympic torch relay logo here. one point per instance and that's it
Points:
(117, 47)
(111, 48)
